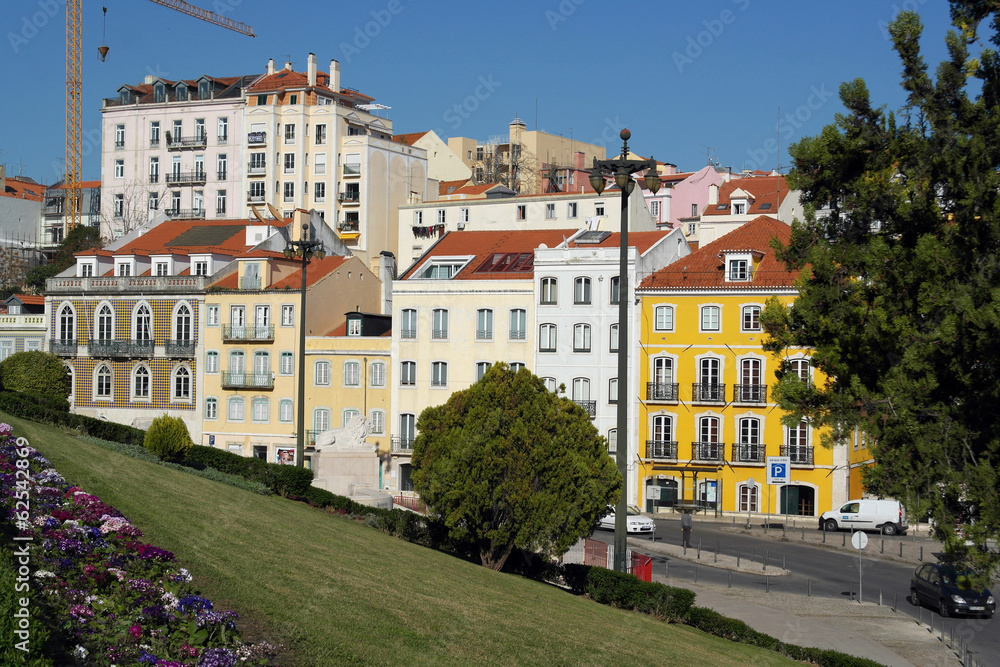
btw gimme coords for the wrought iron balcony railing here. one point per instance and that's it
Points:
(661, 392)
(798, 454)
(105, 348)
(63, 347)
(179, 348)
(748, 453)
(401, 444)
(256, 332)
(750, 393)
(708, 451)
(243, 380)
(708, 392)
(661, 449)
(589, 406)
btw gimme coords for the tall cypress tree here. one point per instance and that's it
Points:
(900, 294)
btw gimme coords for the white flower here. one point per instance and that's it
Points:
(41, 574)
(80, 652)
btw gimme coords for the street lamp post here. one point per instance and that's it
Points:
(303, 249)
(622, 169)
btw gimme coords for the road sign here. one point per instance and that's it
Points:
(652, 493)
(859, 540)
(778, 469)
(211, 441)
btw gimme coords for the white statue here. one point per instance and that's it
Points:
(351, 437)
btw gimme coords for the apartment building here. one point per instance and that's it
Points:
(55, 224)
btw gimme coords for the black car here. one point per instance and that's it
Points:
(946, 588)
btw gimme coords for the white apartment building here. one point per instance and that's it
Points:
(218, 147)
(576, 310)
(422, 224)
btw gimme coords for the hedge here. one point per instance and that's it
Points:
(284, 480)
(626, 591)
(27, 406)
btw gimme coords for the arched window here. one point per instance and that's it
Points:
(67, 324)
(182, 384)
(750, 388)
(182, 323)
(142, 323)
(105, 322)
(708, 447)
(662, 445)
(800, 367)
(103, 382)
(749, 448)
(581, 290)
(548, 292)
(140, 383)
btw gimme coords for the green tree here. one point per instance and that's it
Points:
(80, 238)
(507, 463)
(35, 372)
(168, 438)
(900, 292)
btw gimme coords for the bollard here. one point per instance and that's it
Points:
(824, 536)
(880, 596)
(751, 555)
(716, 552)
(696, 574)
(767, 584)
(765, 560)
(921, 553)
(900, 549)
(784, 525)
(666, 569)
(699, 548)
(843, 541)
(730, 584)
(737, 560)
(783, 562)
(734, 519)
(809, 588)
(881, 548)
(685, 550)
(894, 607)
(803, 534)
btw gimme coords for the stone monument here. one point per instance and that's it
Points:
(347, 465)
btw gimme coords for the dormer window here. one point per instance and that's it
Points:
(125, 96)
(203, 91)
(182, 93)
(739, 269)
(354, 326)
(739, 265)
(159, 92)
(740, 207)
(443, 268)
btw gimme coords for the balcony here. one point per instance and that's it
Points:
(254, 332)
(127, 284)
(801, 455)
(661, 449)
(257, 138)
(53, 208)
(755, 394)
(154, 178)
(748, 453)
(708, 451)
(221, 174)
(241, 380)
(349, 197)
(349, 226)
(401, 444)
(186, 178)
(127, 349)
(180, 143)
(311, 438)
(407, 333)
(484, 334)
(661, 392)
(185, 213)
(62, 348)
(250, 282)
(352, 169)
(257, 171)
(590, 407)
(255, 198)
(708, 392)
(179, 348)
(223, 139)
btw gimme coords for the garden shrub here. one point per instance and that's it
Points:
(35, 372)
(168, 438)
(51, 410)
(626, 591)
(284, 480)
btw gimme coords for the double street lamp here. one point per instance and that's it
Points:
(304, 249)
(621, 170)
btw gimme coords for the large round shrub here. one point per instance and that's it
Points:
(168, 438)
(35, 372)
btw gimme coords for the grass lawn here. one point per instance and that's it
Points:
(338, 592)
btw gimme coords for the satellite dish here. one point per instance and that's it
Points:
(257, 214)
(274, 212)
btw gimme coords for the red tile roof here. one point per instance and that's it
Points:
(317, 269)
(770, 190)
(449, 187)
(704, 267)
(160, 240)
(18, 189)
(641, 241)
(408, 139)
(31, 299)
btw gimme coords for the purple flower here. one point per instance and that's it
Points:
(206, 617)
(81, 612)
(194, 603)
(217, 657)
(155, 613)
(148, 658)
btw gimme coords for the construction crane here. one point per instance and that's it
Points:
(74, 89)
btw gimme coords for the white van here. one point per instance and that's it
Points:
(888, 516)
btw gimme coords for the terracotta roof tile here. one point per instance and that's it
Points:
(317, 269)
(704, 268)
(768, 192)
(18, 189)
(31, 299)
(641, 241)
(410, 138)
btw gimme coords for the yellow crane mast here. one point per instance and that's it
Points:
(74, 89)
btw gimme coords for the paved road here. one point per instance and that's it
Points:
(816, 570)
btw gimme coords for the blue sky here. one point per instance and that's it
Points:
(691, 80)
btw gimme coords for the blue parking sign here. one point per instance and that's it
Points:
(778, 468)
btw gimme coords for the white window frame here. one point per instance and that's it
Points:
(710, 318)
(352, 373)
(321, 373)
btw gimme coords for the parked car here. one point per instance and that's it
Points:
(635, 522)
(946, 587)
(887, 516)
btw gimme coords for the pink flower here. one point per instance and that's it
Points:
(135, 631)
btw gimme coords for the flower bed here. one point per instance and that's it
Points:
(120, 601)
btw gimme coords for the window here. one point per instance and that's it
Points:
(691, 228)
(739, 208)
(439, 374)
(289, 191)
(708, 446)
(154, 130)
(798, 444)
(319, 192)
(616, 291)
(235, 413)
(352, 374)
(709, 375)
(800, 367)
(119, 206)
(86, 270)
(599, 208)
(439, 327)
(260, 409)
(581, 291)
(484, 324)
(287, 315)
(408, 373)
(319, 164)
(154, 201)
(663, 380)
(550, 384)
(612, 441)
(211, 312)
(223, 130)
(322, 375)
(751, 318)
(221, 167)
(105, 323)
(654, 209)
(321, 420)
(199, 129)
(613, 338)
(141, 324)
(289, 163)
(710, 318)
(176, 138)
(481, 368)
(261, 100)
(294, 99)
(548, 292)
(613, 390)
(377, 420)
(547, 338)
(518, 319)
(748, 498)
(285, 410)
(581, 389)
(376, 374)
(738, 269)
(440, 216)
(140, 383)
(571, 210)
(258, 163)
(154, 169)
(515, 366)
(67, 324)
(212, 361)
(289, 133)
(550, 211)
(694, 211)
(160, 269)
(211, 408)
(409, 327)
(321, 134)
(407, 428)
(663, 432)
(286, 363)
(220, 202)
(198, 202)
(463, 215)
(418, 217)
(353, 324)
(119, 136)
(237, 362)
(522, 211)
(581, 338)
(182, 384)
(663, 319)
(182, 323)
(105, 381)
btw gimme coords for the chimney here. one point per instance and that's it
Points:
(288, 66)
(312, 69)
(334, 76)
(149, 79)
(713, 194)
(579, 160)
(270, 66)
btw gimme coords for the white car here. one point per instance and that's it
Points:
(635, 522)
